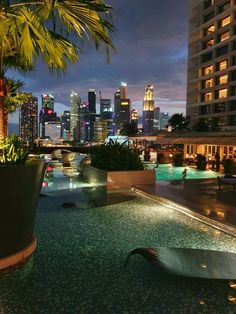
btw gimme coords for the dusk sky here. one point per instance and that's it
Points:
(151, 48)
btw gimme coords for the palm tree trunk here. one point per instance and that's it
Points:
(2, 133)
(5, 117)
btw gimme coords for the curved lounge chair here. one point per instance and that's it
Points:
(190, 262)
(227, 180)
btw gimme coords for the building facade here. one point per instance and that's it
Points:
(47, 113)
(28, 120)
(65, 125)
(134, 117)
(211, 88)
(121, 107)
(156, 119)
(148, 109)
(106, 114)
(92, 112)
(75, 102)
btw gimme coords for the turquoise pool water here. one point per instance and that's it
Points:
(169, 172)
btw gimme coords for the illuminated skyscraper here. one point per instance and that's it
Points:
(75, 102)
(47, 113)
(92, 112)
(121, 107)
(106, 114)
(134, 117)
(148, 109)
(156, 121)
(65, 124)
(29, 120)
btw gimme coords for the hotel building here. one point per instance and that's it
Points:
(211, 89)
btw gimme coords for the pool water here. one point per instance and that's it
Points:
(169, 172)
(78, 266)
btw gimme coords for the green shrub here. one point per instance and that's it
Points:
(115, 157)
(178, 159)
(11, 152)
(201, 162)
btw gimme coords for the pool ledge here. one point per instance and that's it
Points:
(230, 230)
(18, 257)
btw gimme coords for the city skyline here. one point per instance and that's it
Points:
(149, 51)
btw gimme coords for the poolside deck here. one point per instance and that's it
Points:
(202, 196)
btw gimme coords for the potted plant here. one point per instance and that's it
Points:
(229, 166)
(201, 162)
(117, 166)
(21, 181)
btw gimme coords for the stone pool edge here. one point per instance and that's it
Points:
(230, 230)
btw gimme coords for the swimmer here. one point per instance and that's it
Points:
(184, 174)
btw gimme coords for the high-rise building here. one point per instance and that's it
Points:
(211, 90)
(116, 111)
(92, 112)
(148, 109)
(106, 114)
(100, 130)
(164, 118)
(65, 125)
(156, 121)
(48, 101)
(85, 122)
(123, 90)
(47, 113)
(134, 117)
(53, 130)
(75, 102)
(28, 120)
(121, 107)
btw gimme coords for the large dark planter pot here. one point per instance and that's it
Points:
(19, 192)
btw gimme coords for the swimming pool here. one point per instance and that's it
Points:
(169, 172)
(79, 264)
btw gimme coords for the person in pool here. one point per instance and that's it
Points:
(184, 174)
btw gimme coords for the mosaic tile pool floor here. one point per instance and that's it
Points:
(78, 265)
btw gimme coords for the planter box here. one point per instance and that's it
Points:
(20, 187)
(118, 180)
(112, 181)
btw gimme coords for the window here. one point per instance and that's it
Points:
(232, 120)
(208, 70)
(220, 107)
(209, 43)
(208, 83)
(222, 93)
(225, 21)
(233, 76)
(209, 16)
(206, 109)
(210, 29)
(224, 7)
(232, 105)
(222, 65)
(223, 79)
(207, 96)
(224, 36)
(209, 3)
(207, 57)
(222, 50)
